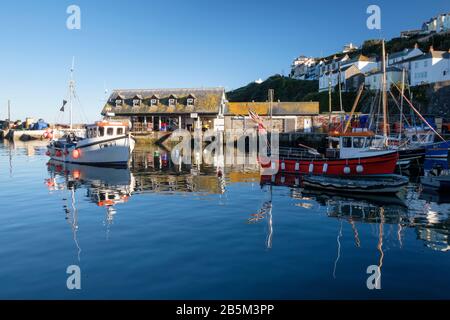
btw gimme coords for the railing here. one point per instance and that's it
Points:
(298, 154)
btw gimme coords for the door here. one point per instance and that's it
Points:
(307, 125)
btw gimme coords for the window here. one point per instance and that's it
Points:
(110, 131)
(172, 102)
(369, 142)
(119, 131)
(425, 63)
(190, 101)
(346, 142)
(416, 65)
(119, 102)
(136, 102)
(445, 73)
(154, 102)
(101, 132)
(358, 142)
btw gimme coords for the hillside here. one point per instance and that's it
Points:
(286, 89)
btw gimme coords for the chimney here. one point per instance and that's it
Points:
(431, 49)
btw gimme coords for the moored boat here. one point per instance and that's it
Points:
(106, 143)
(377, 164)
(384, 184)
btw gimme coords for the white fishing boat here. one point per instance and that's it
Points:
(105, 143)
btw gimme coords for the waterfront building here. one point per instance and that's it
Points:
(168, 109)
(287, 117)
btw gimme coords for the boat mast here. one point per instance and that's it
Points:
(329, 104)
(385, 128)
(271, 97)
(9, 110)
(340, 89)
(401, 104)
(71, 92)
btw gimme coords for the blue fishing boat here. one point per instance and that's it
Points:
(437, 150)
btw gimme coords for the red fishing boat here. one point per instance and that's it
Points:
(369, 165)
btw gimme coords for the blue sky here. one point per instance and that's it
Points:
(178, 43)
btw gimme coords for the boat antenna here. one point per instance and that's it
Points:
(71, 92)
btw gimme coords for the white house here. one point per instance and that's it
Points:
(301, 66)
(374, 79)
(327, 80)
(347, 68)
(440, 23)
(363, 63)
(398, 57)
(431, 67)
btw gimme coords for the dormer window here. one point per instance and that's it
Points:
(172, 101)
(190, 101)
(154, 100)
(137, 101)
(119, 100)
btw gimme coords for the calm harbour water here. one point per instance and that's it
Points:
(158, 232)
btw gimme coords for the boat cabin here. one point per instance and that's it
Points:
(107, 129)
(420, 136)
(350, 144)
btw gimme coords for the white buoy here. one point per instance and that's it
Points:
(347, 170)
(360, 169)
(283, 166)
(325, 168)
(311, 167)
(297, 166)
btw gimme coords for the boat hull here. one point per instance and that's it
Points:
(390, 184)
(113, 152)
(374, 165)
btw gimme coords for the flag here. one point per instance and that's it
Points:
(256, 118)
(64, 104)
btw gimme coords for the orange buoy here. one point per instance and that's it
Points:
(76, 174)
(76, 154)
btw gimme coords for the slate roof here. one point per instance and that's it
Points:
(207, 100)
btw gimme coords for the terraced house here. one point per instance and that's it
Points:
(168, 109)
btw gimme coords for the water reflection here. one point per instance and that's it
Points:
(427, 214)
